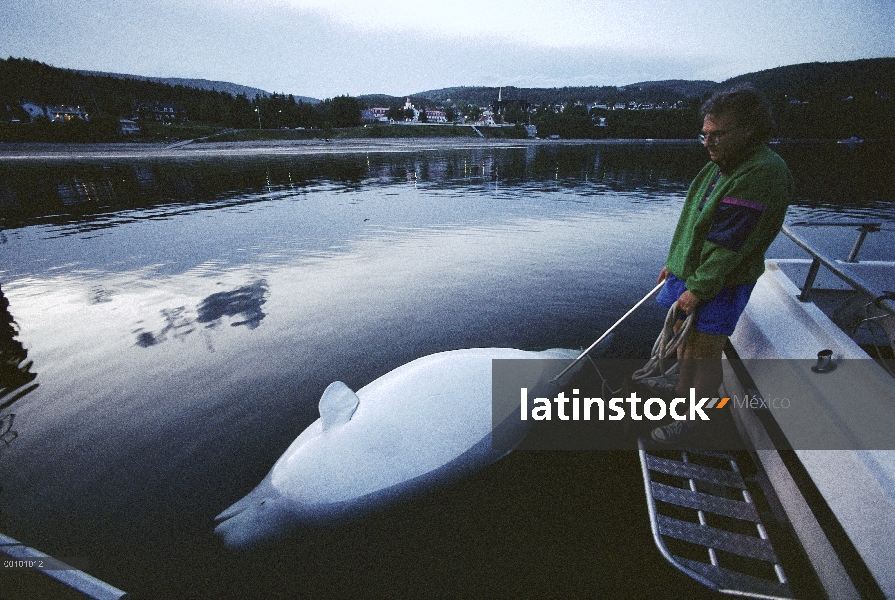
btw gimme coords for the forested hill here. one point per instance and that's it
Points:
(821, 81)
(22, 79)
(199, 84)
(812, 100)
(106, 99)
(234, 89)
(805, 82)
(652, 91)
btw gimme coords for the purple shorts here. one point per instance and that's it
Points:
(718, 315)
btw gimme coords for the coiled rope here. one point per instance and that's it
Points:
(666, 345)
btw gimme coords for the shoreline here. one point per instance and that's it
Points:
(16, 151)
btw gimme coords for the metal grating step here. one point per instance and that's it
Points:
(744, 511)
(694, 471)
(726, 545)
(718, 539)
(734, 580)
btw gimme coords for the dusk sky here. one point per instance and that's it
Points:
(324, 48)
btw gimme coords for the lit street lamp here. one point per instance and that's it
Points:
(258, 110)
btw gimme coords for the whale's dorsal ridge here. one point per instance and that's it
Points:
(337, 405)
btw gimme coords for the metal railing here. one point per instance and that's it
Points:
(78, 580)
(882, 299)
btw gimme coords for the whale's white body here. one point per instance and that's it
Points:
(427, 422)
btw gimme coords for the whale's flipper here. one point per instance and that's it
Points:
(337, 405)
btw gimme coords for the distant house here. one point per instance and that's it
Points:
(34, 111)
(128, 127)
(66, 113)
(380, 114)
(160, 112)
(436, 116)
(485, 120)
(54, 113)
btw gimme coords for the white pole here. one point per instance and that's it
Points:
(652, 293)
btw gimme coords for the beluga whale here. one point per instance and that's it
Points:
(421, 425)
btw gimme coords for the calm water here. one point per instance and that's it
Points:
(182, 318)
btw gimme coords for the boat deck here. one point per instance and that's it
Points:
(815, 344)
(842, 433)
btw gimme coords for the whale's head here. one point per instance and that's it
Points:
(265, 514)
(261, 517)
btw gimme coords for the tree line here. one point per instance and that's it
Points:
(107, 99)
(655, 92)
(869, 115)
(817, 100)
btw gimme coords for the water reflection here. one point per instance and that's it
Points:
(16, 378)
(86, 195)
(7, 435)
(176, 324)
(244, 302)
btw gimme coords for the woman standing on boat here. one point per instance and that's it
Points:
(733, 211)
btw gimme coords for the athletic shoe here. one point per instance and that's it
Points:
(661, 387)
(675, 432)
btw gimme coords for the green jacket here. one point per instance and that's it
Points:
(728, 222)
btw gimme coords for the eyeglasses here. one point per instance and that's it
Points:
(711, 138)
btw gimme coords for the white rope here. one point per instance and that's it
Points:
(666, 344)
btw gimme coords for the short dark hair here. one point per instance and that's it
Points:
(745, 104)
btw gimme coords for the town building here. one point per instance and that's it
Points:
(128, 127)
(54, 113)
(160, 112)
(66, 113)
(408, 105)
(436, 116)
(486, 120)
(33, 110)
(379, 114)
